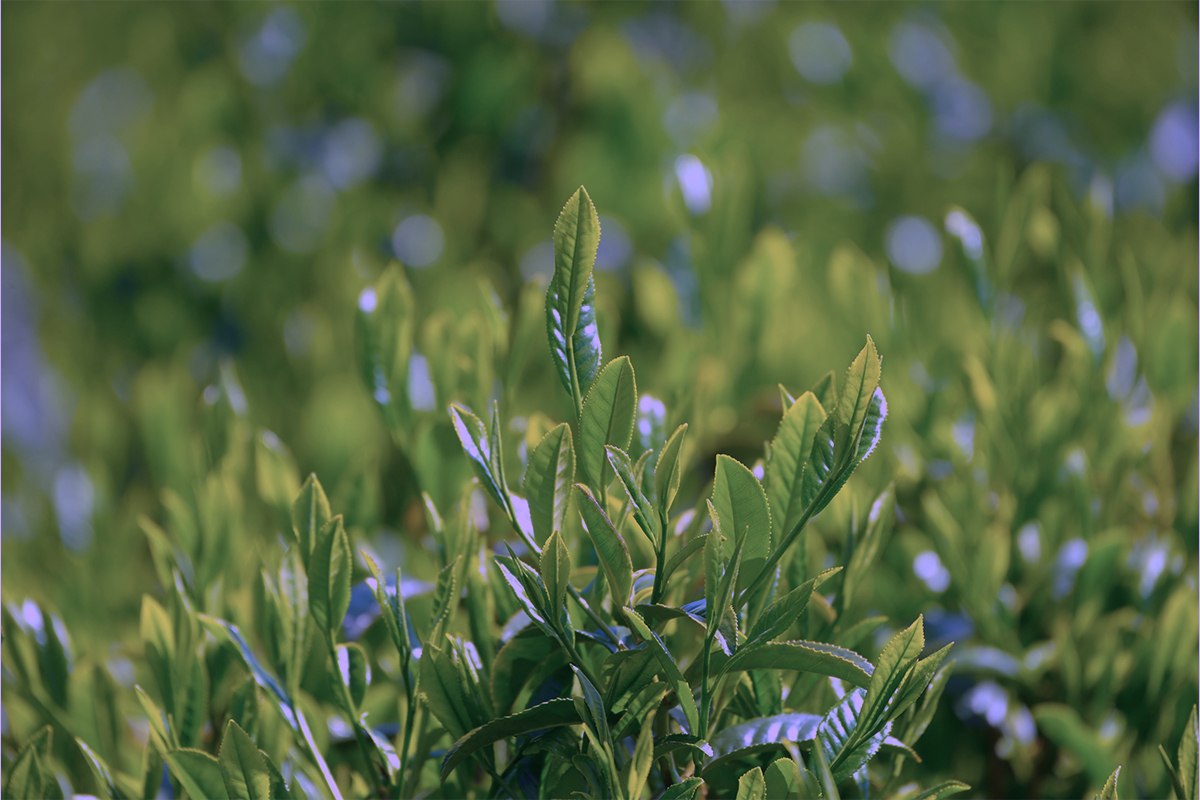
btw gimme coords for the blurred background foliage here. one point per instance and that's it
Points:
(1003, 195)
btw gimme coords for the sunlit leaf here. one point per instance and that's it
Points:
(548, 481)
(608, 413)
(570, 307)
(610, 547)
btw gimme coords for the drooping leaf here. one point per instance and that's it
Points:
(752, 786)
(610, 547)
(790, 450)
(310, 513)
(570, 307)
(817, 657)
(329, 573)
(741, 505)
(762, 733)
(553, 713)
(608, 413)
(668, 471)
(643, 509)
(198, 772)
(548, 481)
(243, 766)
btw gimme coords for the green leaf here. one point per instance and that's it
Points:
(1186, 755)
(643, 758)
(820, 764)
(640, 706)
(760, 734)
(27, 776)
(477, 444)
(198, 773)
(872, 429)
(548, 481)
(685, 790)
(442, 689)
(1062, 725)
(594, 703)
(790, 450)
(445, 594)
(556, 572)
(668, 471)
(610, 547)
(943, 790)
(780, 615)
(515, 663)
(847, 736)
(752, 786)
(670, 670)
(643, 510)
(106, 787)
(570, 308)
(900, 653)
(682, 741)
(916, 681)
(275, 474)
(825, 390)
(879, 528)
(816, 657)
(391, 606)
(310, 513)
(551, 714)
(728, 575)
(1109, 792)
(534, 603)
(741, 505)
(350, 668)
(783, 780)
(385, 333)
(243, 766)
(682, 555)
(329, 572)
(607, 418)
(855, 396)
(929, 702)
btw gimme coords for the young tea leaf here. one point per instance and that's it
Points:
(610, 547)
(548, 481)
(570, 307)
(790, 450)
(243, 766)
(668, 471)
(607, 418)
(310, 513)
(741, 505)
(329, 572)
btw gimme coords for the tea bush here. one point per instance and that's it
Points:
(535, 460)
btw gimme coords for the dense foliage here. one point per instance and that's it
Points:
(549, 455)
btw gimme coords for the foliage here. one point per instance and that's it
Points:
(983, 583)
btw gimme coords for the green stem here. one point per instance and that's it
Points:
(410, 713)
(705, 698)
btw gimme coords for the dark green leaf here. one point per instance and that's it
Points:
(898, 655)
(872, 428)
(610, 547)
(548, 482)
(570, 308)
(682, 741)
(551, 714)
(534, 605)
(641, 705)
(243, 766)
(682, 555)
(741, 505)
(198, 773)
(780, 615)
(762, 733)
(929, 702)
(476, 443)
(685, 790)
(1189, 765)
(514, 664)
(310, 513)
(784, 781)
(607, 418)
(594, 703)
(643, 758)
(556, 572)
(918, 679)
(445, 596)
(27, 776)
(670, 670)
(943, 790)
(847, 738)
(329, 572)
(879, 528)
(442, 689)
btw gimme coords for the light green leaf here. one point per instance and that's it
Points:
(385, 334)
(551, 714)
(783, 780)
(685, 790)
(668, 471)
(752, 786)
(728, 576)
(607, 418)
(900, 653)
(872, 429)
(643, 509)
(310, 513)
(641, 705)
(198, 773)
(548, 481)
(329, 572)
(929, 702)
(917, 680)
(243, 765)
(534, 603)
(275, 473)
(879, 528)
(556, 572)
(1109, 792)
(816, 657)
(442, 690)
(27, 776)
(106, 787)
(760, 734)
(643, 758)
(445, 595)
(943, 790)
(780, 615)
(610, 547)
(570, 308)
(682, 555)
(594, 703)
(825, 390)
(741, 505)
(391, 606)
(854, 396)
(1186, 755)
(790, 450)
